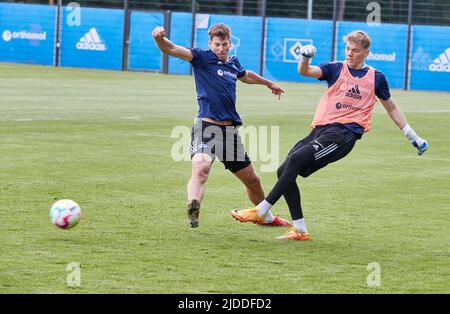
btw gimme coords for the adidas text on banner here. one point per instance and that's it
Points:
(91, 41)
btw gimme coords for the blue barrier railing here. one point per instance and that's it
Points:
(245, 36)
(96, 42)
(27, 33)
(284, 37)
(180, 23)
(28, 36)
(430, 58)
(143, 53)
(387, 53)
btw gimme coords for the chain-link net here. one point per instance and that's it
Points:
(115, 34)
(427, 12)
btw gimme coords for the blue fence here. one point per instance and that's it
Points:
(96, 41)
(181, 24)
(245, 38)
(28, 33)
(387, 53)
(144, 54)
(430, 58)
(284, 39)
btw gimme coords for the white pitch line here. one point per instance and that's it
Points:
(131, 118)
(152, 135)
(425, 157)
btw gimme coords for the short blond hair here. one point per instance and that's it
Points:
(359, 37)
(220, 30)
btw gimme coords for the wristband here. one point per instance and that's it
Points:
(409, 132)
(305, 59)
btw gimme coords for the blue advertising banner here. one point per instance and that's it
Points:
(246, 32)
(387, 53)
(144, 53)
(28, 33)
(95, 41)
(180, 34)
(430, 58)
(285, 37)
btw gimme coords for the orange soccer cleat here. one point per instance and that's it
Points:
(295, 234)
(251, 215)
(247, 215)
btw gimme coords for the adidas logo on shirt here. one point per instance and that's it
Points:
(353, 92)
(441, 63)
(91, 41)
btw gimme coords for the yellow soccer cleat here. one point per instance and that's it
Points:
(295, 234)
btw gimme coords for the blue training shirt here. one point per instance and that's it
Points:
(331, 72)
(215, 82)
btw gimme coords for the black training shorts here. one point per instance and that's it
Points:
(222, 141)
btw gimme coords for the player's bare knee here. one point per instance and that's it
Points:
(201, 172)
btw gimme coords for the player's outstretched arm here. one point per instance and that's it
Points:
(166, 46)
(251, 77)
(398, 117)
(304, 67)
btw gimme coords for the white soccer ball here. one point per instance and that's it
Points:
(65, 214)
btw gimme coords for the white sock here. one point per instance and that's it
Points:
(299, 224)
(269, 217)
(263, 208)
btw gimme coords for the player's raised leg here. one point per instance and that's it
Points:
(255, 193)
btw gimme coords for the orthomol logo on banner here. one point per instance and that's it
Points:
(8, 35)
(292, 48)
(387, 57)
(91, 41)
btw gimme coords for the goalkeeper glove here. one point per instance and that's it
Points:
(418, 142)
(308, 51)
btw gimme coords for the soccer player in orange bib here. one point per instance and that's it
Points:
(342, 116)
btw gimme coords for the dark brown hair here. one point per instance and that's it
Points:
(220, 30)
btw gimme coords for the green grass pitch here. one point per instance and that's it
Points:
(103, 139)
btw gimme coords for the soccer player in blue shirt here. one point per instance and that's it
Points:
(215, 132)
